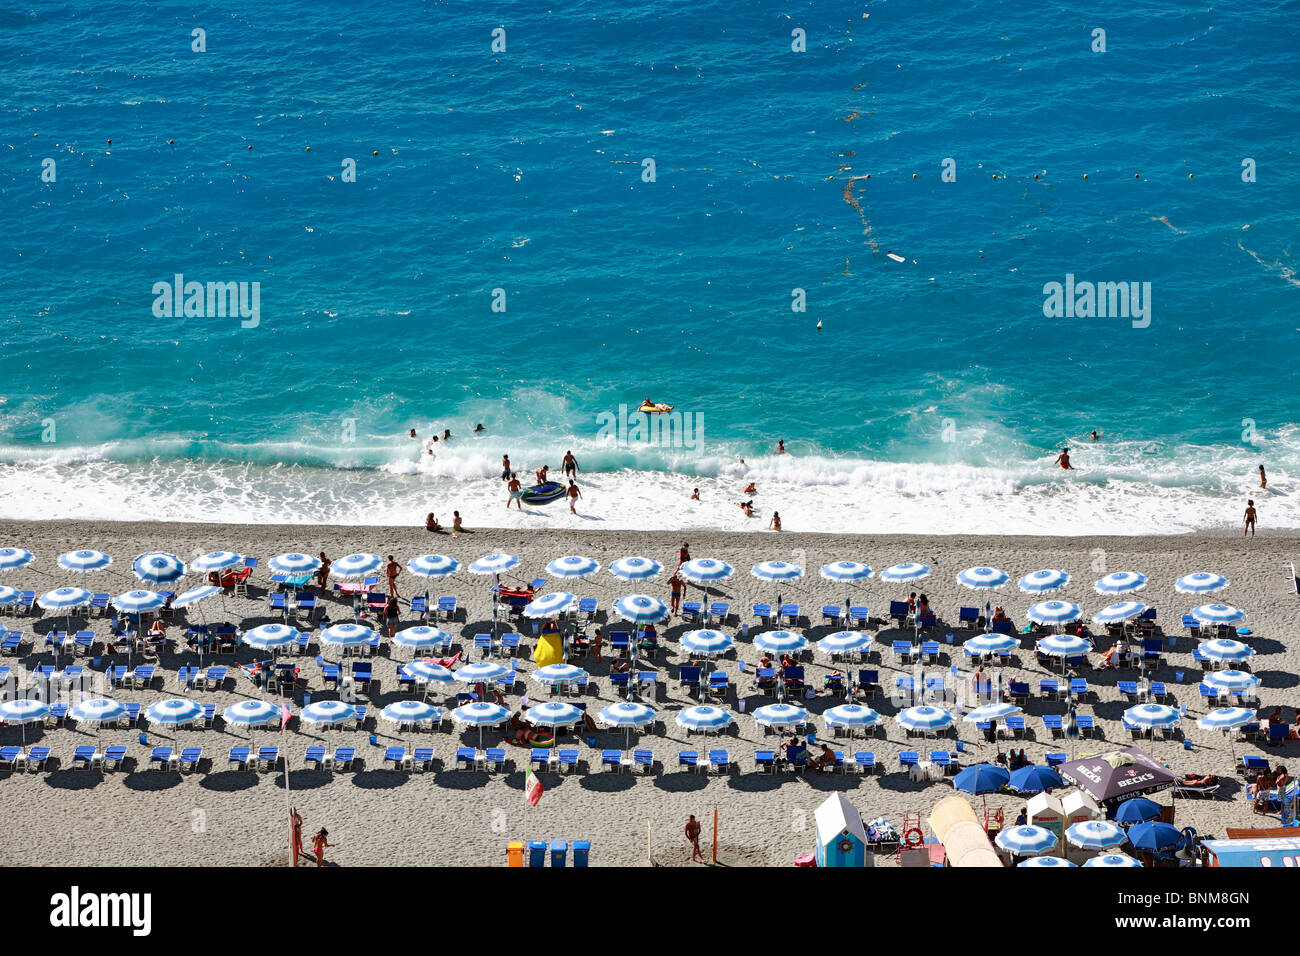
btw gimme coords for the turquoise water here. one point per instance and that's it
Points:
(936, 380)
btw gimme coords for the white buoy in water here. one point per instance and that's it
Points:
(819, 325)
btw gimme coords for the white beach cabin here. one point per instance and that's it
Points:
(841, 838)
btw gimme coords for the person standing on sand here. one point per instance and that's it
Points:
(318, 844)
(675, 585)
(1263, 478)
(1063, 459)
(392, 570)
(295, 831)
(683, 554)
(1250, 519)
(573, 495)
(516, 492)
(323, 572)
(693, 835)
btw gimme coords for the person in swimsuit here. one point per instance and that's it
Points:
(1263, 478)
(1063, 459)
(775, 523)
(780, 447)
(675, 585)
(1096, 435)
(516, 492)
(446, 434)
(392, 570)
(573, 494)
(431, 523)
(413, 435)
(1250, 519)
(541, 474)
(318, 844)
(695, 495)
(693, 837)
(478, 428)
(750, 489)
(683, 554)
(570, 465)
(505, 468)
(455, 524)
(323, 572)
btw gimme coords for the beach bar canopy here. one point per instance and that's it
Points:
(1265, 851)
(841, 838)
(1117, 776)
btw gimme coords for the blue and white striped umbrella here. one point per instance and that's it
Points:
(23, 711)
(347, 635)
(982, 644)
(251, 713)
(137, 602)
(409, 712)
(776, 571)
(1041, 582)
(422, 637)
(11, 559)
(433, 566)
(195, 595)
(983, 579)
(356, 565)
(553, 713)
(481, 672)
(908, 571)
(158, 567)
(294, 563)
(780, 715)
(705, 570)
(991, 712)
(431, 671)
(1233, 681)
(1152, 715)
(573, 566)
(216, 561)
(635, 569)
(1119, 611)
(86, 560)
(626, 714)
(1200, 582)
(703, 717)
(1120, 582)
(640, 609)
(1212, 614)
(173, 712)
(61, 599)
(1226, 718)
(1224, 649)
(853, 716)
(846, 571)
(1096, 835)
(924, 718)
(97, 710)
(844, 642)
(480, 713)
(1026, 840)
(493, 564)
(9, 595)
(1063, 645)
(707, 643)
(558, 674)
(1112, 860)
(270, 637)
(780, 642)
(549, 605)
(328, 713)
(1046, 861)
(1054, 612)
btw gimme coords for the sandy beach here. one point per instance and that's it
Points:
(448, 817)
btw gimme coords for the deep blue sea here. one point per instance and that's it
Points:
(933, 398)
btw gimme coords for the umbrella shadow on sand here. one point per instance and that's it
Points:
(381, 779)
(608, 782)
(148, 781)
(230, 781)
(304, 779)
(73, 779)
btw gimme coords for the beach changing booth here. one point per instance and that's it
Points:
(1044, 810)
(1079, 808)
(965, 843)
(841, 837)
(549, 649)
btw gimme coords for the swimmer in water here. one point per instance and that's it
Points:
(1250, 519)
(1096, 435)
(695, 495)
(750, 489)
(413, 435)
(1263, 478)
(478, 427)
(570, 465)
(1063, 459)
(780, 447)
(506, 474)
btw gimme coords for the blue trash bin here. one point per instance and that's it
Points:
(559, 850)
(581, 848)
(537, 853)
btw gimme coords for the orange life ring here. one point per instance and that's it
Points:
(914, 832)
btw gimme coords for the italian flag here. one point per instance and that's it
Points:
(533, 788)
